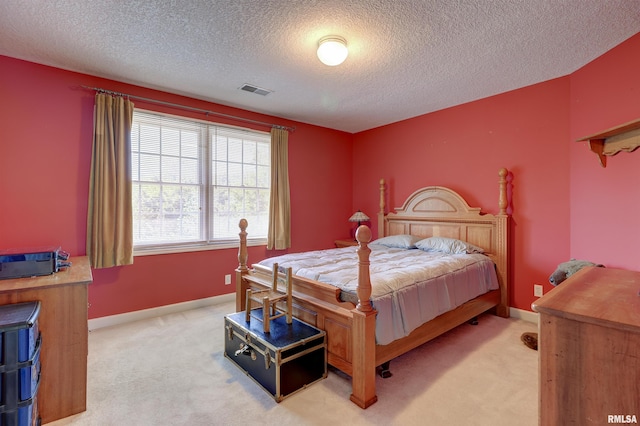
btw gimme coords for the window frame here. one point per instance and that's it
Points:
(207, 132)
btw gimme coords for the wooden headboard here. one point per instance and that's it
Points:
(436, 211)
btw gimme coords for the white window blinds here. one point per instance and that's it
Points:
(193, 181)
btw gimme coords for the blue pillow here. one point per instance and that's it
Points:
(447, 245)
(398, 241)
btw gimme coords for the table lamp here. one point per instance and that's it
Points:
(358, 217)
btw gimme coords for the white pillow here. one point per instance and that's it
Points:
(398, 241)
(447, 245)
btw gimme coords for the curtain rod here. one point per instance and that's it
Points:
(188, 108)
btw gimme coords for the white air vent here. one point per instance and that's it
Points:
(255, 89)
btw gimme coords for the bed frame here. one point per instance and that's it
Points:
(351, 345)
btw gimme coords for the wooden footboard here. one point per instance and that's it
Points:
(351, 347)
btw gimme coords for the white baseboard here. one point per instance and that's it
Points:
(101, 322)
(524, 315)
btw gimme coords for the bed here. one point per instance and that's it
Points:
(347, 312)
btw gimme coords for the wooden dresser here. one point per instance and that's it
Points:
(589, 348)
(64, 330)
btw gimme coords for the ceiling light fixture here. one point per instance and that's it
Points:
(332, 50)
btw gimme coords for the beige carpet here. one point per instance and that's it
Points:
(171, 371)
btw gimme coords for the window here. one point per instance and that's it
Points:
(193, 181)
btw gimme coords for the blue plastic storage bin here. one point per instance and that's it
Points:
(20, 345)
(21, 383)
(19, 333)
(29, 379)
(26, 414)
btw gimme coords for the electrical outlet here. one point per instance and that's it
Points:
(537, 290)
(227, 279)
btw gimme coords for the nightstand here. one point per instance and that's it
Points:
(345, 243)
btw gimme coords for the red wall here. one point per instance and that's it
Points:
(605, 202)
(564, 204)
(463, 148)
(45, 135)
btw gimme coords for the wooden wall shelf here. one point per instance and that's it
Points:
(625, 137)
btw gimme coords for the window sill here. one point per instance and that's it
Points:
(152, 251)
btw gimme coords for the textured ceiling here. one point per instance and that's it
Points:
(407, 57)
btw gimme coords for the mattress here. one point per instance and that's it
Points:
(409, 286)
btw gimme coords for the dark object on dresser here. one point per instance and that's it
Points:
(287, 359)
(562, 272)
(566, 269)
(32, 262)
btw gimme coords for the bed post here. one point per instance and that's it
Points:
(502, 244)
(242, 266)
(502, 204)
(381, 212)
(364, 329)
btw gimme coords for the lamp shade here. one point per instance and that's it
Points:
(358, 217)
(332, 50)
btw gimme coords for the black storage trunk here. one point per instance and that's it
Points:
(288, 359)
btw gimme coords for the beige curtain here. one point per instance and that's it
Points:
(279, 236)
(109, 220)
